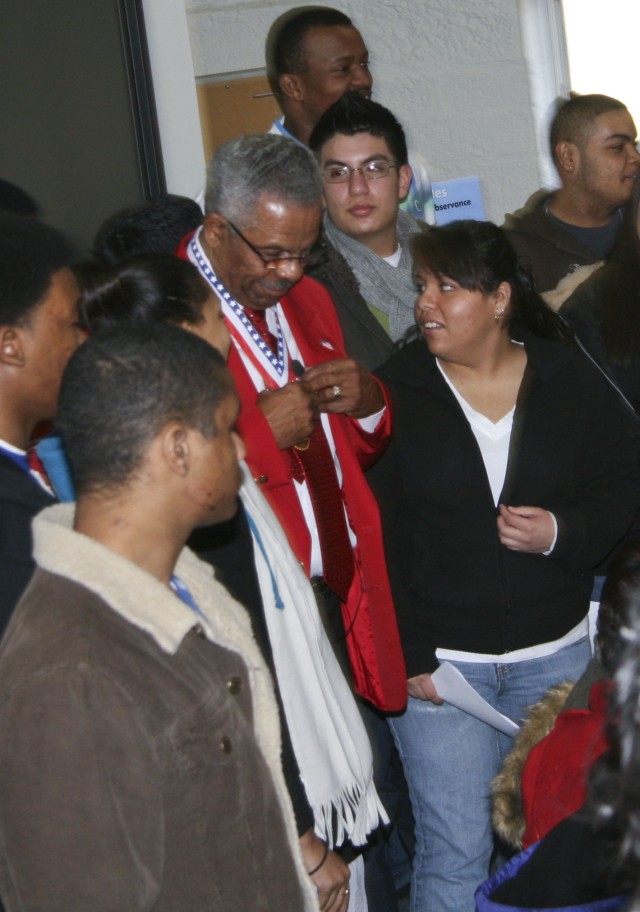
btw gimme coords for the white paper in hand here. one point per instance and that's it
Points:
(454, 688)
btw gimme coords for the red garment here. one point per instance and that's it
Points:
(373, 641)
(369, 617)
(554, 776)
(315, 463)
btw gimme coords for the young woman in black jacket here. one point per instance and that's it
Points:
(511, 474)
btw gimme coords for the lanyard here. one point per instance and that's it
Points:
(183, 594)
(245, 335)
(260, 543)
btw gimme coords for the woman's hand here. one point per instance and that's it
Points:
(422, 688)
(528, 529)
(331, 877)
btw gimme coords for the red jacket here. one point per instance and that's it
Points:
(554, 776)
(369, 616)
(373, 641)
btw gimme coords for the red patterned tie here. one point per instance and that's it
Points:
(258, 320)
(319, 470)
(313, 462)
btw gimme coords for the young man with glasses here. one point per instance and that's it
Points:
(366, 264)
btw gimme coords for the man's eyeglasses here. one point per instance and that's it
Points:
(341, 174)
(269, 262)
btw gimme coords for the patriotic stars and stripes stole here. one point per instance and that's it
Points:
(273, 367)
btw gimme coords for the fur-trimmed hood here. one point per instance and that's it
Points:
(543, 778)
(508, 812)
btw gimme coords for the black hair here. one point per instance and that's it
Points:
(285, 40)
(613, 800)
(353, 114)
(15, 199)
(151, 288)
(479, 257)
(153, 226)
(574, 117)
(30, 253)
(613, 615)
(122, 387)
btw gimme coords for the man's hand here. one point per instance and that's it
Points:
(422, 688)
(291, 412)
(527, 529)
(332, 877)
(344, 387)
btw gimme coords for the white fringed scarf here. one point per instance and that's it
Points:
(327, 733)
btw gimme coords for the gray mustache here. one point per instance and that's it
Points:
(278, 286)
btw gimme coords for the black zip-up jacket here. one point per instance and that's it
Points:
(573, 451)
(21, 498)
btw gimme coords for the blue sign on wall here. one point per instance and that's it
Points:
(460, 198)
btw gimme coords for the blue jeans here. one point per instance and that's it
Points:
(450, 759)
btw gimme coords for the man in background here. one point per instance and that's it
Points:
(593, 145)
(314, 55)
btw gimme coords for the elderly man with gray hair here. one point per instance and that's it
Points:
(312, 418)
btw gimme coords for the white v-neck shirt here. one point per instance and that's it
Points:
(493, 439)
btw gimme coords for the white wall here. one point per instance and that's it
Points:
(453, 71)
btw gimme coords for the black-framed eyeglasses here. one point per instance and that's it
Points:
(341, 174)
(269, 262)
